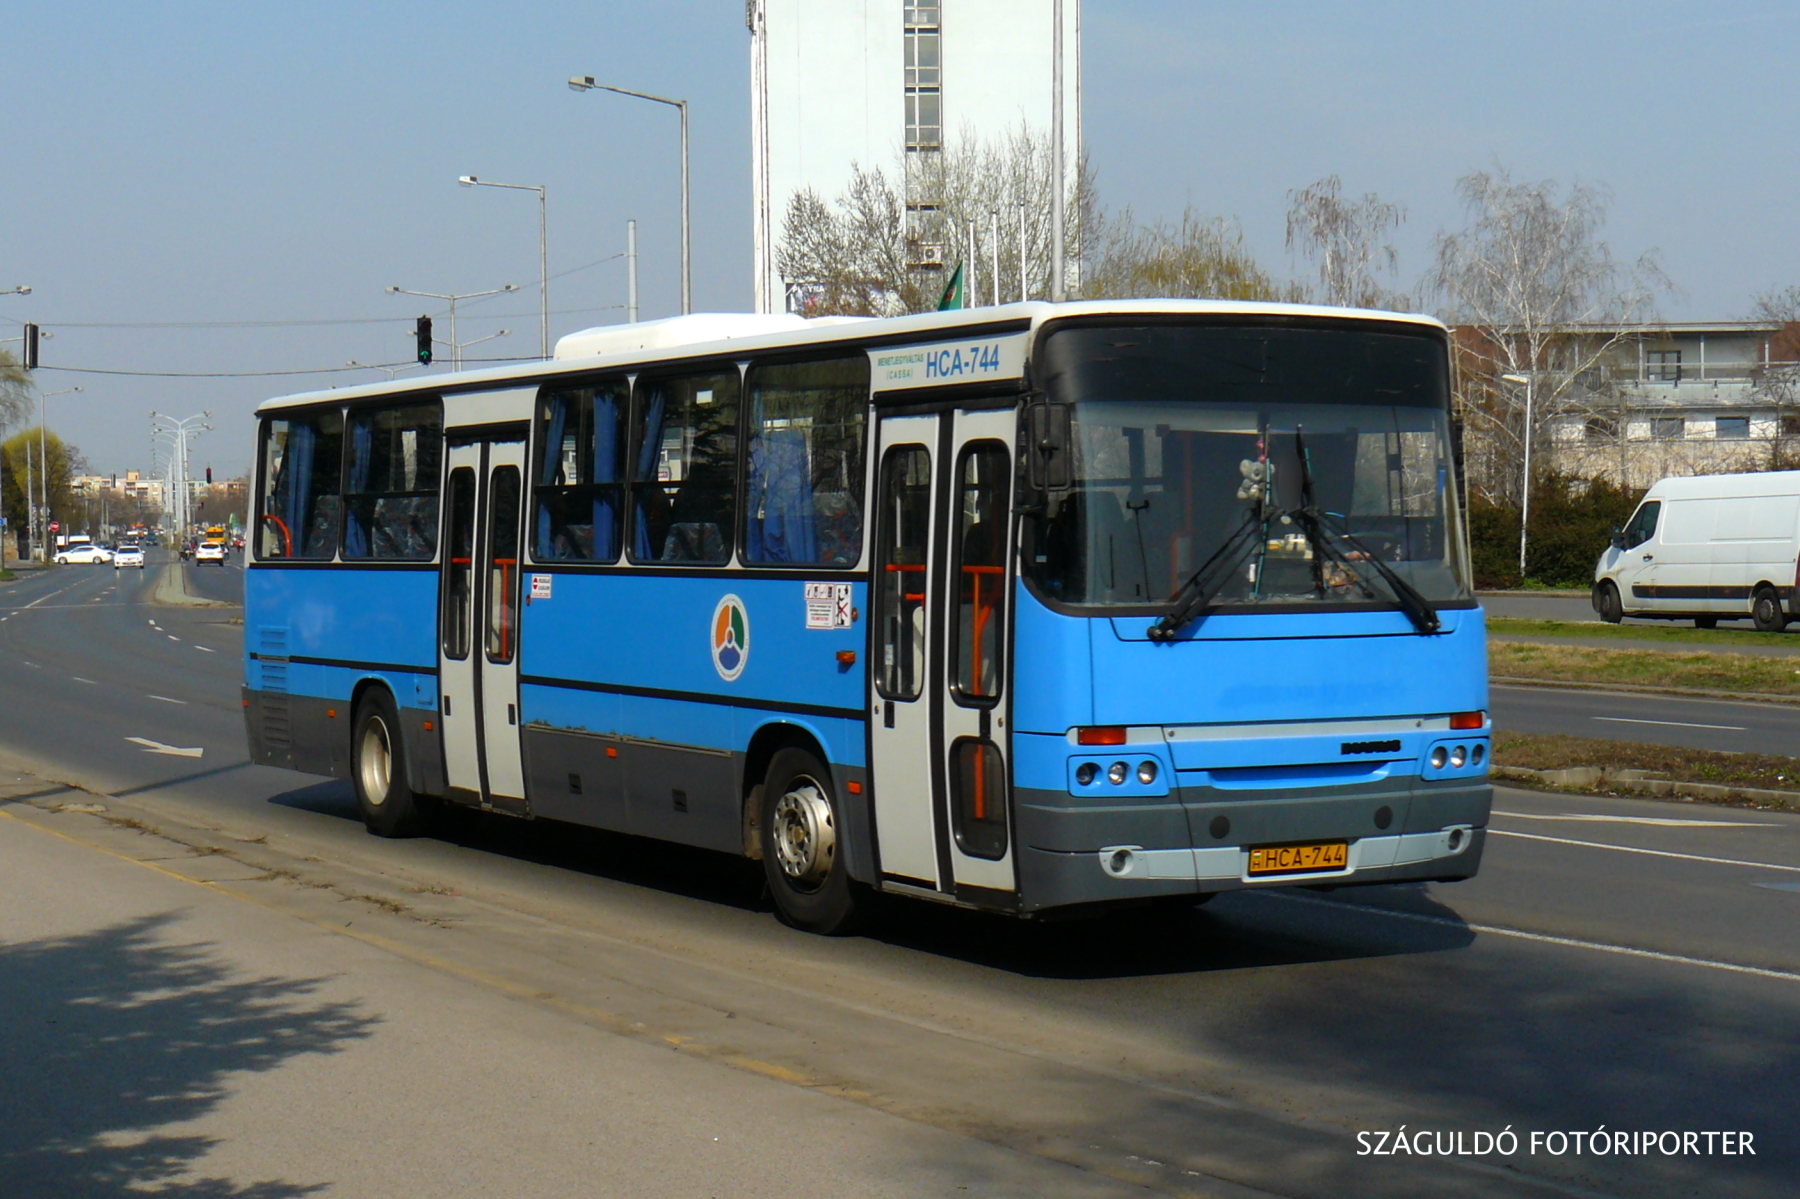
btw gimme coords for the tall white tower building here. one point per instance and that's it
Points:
(874, 82)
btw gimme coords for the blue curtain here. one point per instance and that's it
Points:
(553, 445)
(781, 526)
(293, 494)
(356, 538)
(646, 467)
(606, 459)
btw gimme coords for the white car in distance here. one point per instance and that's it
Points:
(210, 551)
(128, 555)
(92, 555)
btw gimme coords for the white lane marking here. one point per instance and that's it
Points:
(151, 623)
(79, 679)
(157, 747)
(1496, 930)
(33, 665)
(173, 637)
(1660, 821)
(204, 650)
(34, 603)
(167, 700)
(1655, 853)
(1783, 885)
(1676, 724)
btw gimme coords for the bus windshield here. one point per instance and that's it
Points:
(1183, 435)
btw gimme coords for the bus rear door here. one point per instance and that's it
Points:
(478, 652)
(938, 687)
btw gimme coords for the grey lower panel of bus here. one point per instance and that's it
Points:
(1401, 821)
(299, 732)
(681, 793)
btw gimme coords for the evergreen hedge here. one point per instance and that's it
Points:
(1572, 520)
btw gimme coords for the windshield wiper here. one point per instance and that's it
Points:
(1196, 595)
(1325, 539)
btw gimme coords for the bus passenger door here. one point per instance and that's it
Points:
(478, 624)
(503, 513)
(901, 703)
(976, 609)
(458, 700)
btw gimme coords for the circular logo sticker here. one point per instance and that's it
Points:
(730, 638)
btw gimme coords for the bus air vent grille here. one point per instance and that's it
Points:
(272, 641)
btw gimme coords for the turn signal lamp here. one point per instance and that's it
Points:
(1468, 720)
(1111, 735)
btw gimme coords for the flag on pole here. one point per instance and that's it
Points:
(954, 294)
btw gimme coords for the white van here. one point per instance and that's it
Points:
(1706, 549)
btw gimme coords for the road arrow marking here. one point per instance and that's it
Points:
(157, 747)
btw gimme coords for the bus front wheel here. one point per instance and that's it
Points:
(378, 768)
(802, 846)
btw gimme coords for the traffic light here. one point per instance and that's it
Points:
(31, 347)
(422, 333)
(209, 476)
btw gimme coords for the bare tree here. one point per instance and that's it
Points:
(1348, 239)
(15, 391)
(888, 244)
(1195, 258)
(1540, 298)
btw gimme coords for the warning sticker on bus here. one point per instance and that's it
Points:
(540, 586)
(828, 606)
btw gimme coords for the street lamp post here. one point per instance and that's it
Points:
(21, 290)
(455, 346)
(43, 453)
(543, 249)
(584, 83)
(177, 431)
(1525, 492)
(391, 370)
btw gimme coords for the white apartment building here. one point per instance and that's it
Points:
(873, 82)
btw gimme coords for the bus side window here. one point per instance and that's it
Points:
(905, 518)
(391, 483)
(983, 477)
(580, 473)
(298, 504)
(684, 472)
(807, 431)
(459, 562)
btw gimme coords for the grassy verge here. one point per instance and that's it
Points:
(1644, 667)
(1535, 751)
(1512, 626)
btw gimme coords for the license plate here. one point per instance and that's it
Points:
(1299, 859)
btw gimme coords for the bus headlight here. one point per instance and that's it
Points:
(1458, 756)
(1115, 774)
(1146, 772)
(1439, 756)
(1084, 773)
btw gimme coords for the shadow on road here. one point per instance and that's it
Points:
(116, 1033)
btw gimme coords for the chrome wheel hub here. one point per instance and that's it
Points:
(374, 763)
(804, 834)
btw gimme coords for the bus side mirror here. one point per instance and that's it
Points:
(1618, 538)
(1048, 446)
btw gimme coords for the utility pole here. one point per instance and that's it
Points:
(631, 307)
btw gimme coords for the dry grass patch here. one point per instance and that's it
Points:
(1644, 667)
(1555, 751)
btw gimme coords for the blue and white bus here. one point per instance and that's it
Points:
(1029, 608)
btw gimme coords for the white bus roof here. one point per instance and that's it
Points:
(713, 334)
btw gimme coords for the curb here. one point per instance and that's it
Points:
(1647, 782)
(171, 591)
(1555, 593)
(1742, 697)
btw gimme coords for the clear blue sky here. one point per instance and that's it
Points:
(188, 162)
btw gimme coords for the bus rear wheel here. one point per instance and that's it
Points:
(378, 769)
(803, 847)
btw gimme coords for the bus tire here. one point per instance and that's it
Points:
(1766, 611)
(802, 846)
(378, 769)
(1608, 604)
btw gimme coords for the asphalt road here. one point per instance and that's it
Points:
(520, 1008)
(1652, 719)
